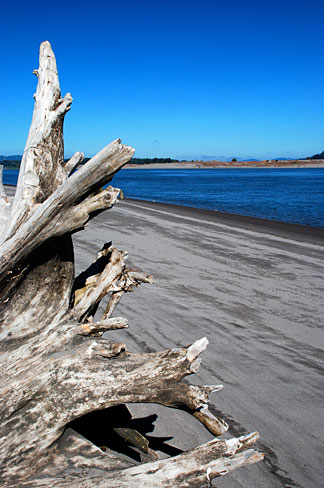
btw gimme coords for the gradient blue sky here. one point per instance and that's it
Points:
(187, 79)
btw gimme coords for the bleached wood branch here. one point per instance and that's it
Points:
(107, 274)
(215, 425)
(194, 468)
(131, 280)
(73, 163)
(41, 166)
(49, 219)
(90, 327)
(96, 286)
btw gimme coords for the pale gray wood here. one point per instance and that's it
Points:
(194, 468)
(41, 166)
(55, 366)
(73, 163)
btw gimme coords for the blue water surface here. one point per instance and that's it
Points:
(10, 176)
(284, 194)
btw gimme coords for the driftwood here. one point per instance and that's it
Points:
(55, 366)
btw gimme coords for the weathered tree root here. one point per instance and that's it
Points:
(55, 366)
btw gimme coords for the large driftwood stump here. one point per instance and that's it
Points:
(55, 366)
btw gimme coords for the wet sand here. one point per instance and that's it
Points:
(255, 289)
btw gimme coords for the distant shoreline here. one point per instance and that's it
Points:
(273, 164)
(307, 163)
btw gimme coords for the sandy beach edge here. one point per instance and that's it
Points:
(275, 227)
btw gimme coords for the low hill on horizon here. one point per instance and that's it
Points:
(318, 156)
(16, 157)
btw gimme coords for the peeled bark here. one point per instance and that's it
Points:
(55, 365)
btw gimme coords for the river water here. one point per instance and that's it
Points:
(284, 194)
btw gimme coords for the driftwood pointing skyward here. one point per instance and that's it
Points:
(55, 366)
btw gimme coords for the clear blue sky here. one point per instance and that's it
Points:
(186, 79)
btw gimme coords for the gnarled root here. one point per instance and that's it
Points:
(188, 470)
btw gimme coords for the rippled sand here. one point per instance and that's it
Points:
(255, 289)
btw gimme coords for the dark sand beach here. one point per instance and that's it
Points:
(254, 288)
